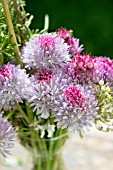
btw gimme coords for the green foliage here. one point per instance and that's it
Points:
(21, 22)
(6, 50)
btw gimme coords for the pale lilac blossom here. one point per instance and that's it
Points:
(6, 136)
(73, 112)
(43, 96)
(14, 86)
(103, 69)
(46, 50)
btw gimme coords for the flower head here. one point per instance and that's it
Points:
(63, 33)
(74, 47)
(103, 69)
(43, 97)
(81, 68)
(44, 75)
(14, 86)
(73, 43)
(75, 108)
(6, 136)
(74, 96)
(5, 71)
(46, 50)
(104, 95)
(72, 105)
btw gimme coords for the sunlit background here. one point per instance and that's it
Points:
(92, 21)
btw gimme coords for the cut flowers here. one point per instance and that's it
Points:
(48, 86)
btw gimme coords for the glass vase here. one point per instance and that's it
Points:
(46, 152)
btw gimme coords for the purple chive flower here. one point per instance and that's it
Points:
(81, 68)
(43, 97)
(103, 69)
(75, 108)
(72, 106)
(14, 86)
(6, 136)
(46, 50)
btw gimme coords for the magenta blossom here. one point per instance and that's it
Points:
(81, 68)
(74, 47)
(74, 96)
(44, 75)
(63, 33)
(5, 71)
(73, 43)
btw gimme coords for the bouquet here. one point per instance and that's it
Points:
(48, 87)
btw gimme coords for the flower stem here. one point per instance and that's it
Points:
(11, 31)
(46, 23)
(10, 114)
(1, 59)
(22, 113)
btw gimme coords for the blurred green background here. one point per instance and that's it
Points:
(91, 21)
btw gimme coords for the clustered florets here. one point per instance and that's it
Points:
(47, 50)
(14, 86)
(73, 42)
(6, 136)
(81, 68)
(103, 69)
(62, 83)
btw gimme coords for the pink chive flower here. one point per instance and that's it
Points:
(5, 71)
(103, 69)
(74, 96)
(63, 33)
(74, 47)
(44, 75)
(81, 67)
(46, 50)
(46, 42)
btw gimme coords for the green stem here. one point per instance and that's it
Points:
(11, 31)
(29, 112)
(23, 113)
(1, 59)
(35, 151)
(46, 23)
(10, 114)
